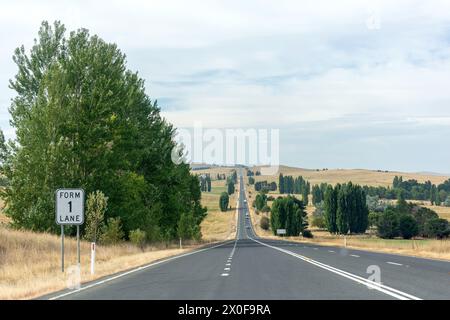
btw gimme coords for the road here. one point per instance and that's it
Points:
(253, 268)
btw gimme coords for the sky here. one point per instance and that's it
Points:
(349, 84)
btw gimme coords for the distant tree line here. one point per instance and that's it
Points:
(265, 186)
(291, 185)
(205, 183)
(413, 190)
(408, 220)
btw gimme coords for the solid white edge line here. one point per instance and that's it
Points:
(377, 286)
(135, 270)
(394, 263)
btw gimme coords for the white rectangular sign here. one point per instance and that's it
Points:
(281, 231)
(69, 206)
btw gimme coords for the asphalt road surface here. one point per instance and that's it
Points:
(253, 268)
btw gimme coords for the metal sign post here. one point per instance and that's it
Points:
(69, 211)
(62, 248)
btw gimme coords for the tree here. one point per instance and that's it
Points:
(251, 180)
(137, 237)
(288, 213)
(260, 201)
(95, 214)
(388, 225)
(264, 223)
(112, 232)
(281, 183)
(330, 208)
(447, 202)
(187, 228)
(223, 201)
(437, 228)
(317, 195)
(83, 119)
(408, 227)
(230, 187)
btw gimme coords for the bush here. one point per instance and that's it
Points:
(307, 234)
(408, 227)
(437, 228)
(223, 201)
(388, 225)
(319, 222)
(270, 198)
(447, 202)
(137, 237)
(373, 218)
(112, 232)
(264, 223)
(251, 180)
(266, 208)
(95, 212)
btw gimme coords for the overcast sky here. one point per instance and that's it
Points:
(350, 84)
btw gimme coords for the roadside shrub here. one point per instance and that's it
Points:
(447, 202)
(408, 227)
(388, 225)
(437, 228)
(266, 208)
(264, 223)
(137, 237)
(96, 205)
(318, 217)
(307, 234)
(112, 231)
(373, 218)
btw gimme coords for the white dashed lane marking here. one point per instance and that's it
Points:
(354, 255)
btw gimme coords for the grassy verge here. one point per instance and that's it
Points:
(30, 262)
(219, 225)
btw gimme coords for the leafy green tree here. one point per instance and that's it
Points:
(187, 228)
(95, 214)
(281, 183)
(112, 232)
(251, 180)
(83, 119)
(288, 213)
(137, 237)
(437, 228)
(223, 201)
(330, 208)
(230, 187)
(388, 225)
(408, 227)
(260, 201)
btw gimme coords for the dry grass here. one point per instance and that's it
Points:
(30, 262)
(424, 248)
(358, 176)
(218, 225)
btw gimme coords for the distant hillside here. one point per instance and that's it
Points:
(359, 176)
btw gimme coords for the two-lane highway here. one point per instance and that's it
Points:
(253, 268)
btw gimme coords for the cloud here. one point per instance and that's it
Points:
(310, 66)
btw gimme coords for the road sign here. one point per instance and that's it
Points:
(281, 231)
(69, 211)
(70, 206)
